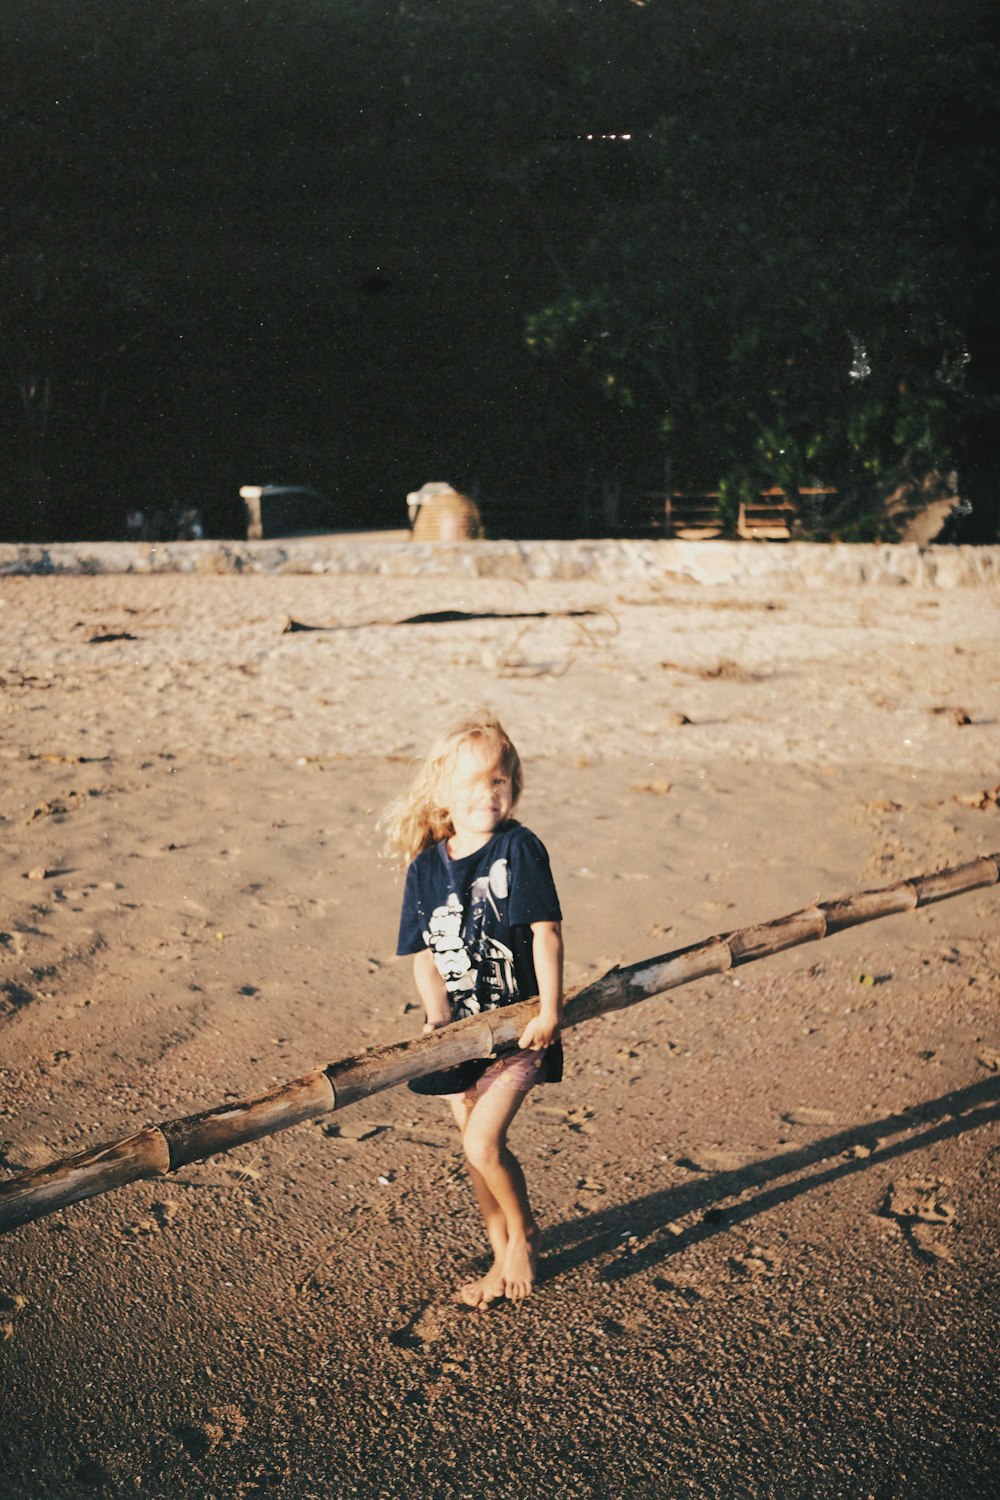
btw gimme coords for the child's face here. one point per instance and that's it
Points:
(477, 794)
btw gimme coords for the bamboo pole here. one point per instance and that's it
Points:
(162, 1149)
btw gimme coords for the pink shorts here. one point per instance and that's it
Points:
(518, 1072)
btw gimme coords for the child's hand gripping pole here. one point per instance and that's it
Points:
(547, 954)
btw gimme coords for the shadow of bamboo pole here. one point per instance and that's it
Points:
(161, 1149)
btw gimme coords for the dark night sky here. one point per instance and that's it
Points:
(302, 241)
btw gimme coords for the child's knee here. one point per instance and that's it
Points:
(482, 1151)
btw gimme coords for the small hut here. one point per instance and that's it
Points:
(438, 513)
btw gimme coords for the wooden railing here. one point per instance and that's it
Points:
(694, 516)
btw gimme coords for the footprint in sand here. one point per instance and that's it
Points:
(427, 1326)
(718, 1160)
(919, 1200)
(10, 1308)
(161, 1214)
(93, 1475)
(806, 1114)
(354, 1130)
(756, 1262)
(578, 1120)
(199, 1438)
(921, 1208)
(928, 1243)
(221, 1426)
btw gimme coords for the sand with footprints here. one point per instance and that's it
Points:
(769, 1199)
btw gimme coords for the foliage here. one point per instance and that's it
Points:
(772, 275)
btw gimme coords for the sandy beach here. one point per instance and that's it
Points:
(769, 1199)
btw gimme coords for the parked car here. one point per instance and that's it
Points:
(286, 509)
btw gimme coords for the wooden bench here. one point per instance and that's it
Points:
(692, 517)
(770, 517)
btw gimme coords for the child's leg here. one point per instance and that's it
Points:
(488, 1288)
(488, 1155)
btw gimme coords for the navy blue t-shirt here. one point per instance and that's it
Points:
(474, 914)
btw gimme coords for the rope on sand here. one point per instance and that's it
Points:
(161, 1149)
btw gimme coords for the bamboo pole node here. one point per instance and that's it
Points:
(161, 1149)
(230, 1125)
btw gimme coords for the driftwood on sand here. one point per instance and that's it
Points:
(450, 617)
(165, 1148)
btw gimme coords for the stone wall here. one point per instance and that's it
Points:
(774, 564)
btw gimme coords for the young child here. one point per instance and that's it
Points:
(481, 918)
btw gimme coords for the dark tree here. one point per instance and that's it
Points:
(323, 241)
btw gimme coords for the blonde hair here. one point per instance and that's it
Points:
(416, 818)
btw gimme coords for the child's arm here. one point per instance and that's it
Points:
(430, 988)
(547, 953)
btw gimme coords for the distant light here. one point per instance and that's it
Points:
(952, 367)
(861, 366)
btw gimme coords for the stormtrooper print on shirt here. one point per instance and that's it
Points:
(475, 916)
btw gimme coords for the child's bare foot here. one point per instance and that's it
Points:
(483, 1293)
(520, 1265)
